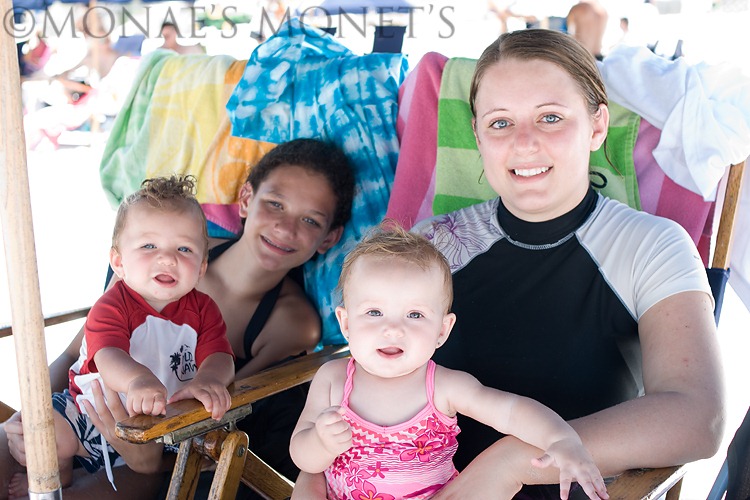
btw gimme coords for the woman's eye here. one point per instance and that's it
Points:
(374, 312)
(415, 315)
(551, 118)
(184, 249)
(274, 204)
(499, 124)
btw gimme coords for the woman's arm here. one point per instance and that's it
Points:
(292, 328)
(58, 370)
(680, 419)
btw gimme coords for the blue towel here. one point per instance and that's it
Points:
(301, 83)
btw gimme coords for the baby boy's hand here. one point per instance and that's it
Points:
(575, 464)
(212, 393)
(333, 431)
(146, 395)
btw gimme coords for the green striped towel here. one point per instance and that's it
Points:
(458, 172)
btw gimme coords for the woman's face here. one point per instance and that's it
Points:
(534, 133)
(289, 217)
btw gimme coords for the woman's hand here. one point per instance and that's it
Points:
(14, 431)
(144, 458)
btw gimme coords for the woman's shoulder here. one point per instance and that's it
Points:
(293, 312)
(613, 219)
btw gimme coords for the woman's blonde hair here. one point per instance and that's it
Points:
(547, 45)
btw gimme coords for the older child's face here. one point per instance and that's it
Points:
(394, 315)
(535, 134)
(160, 254)
(289, 217)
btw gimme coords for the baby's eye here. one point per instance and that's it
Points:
(374, 312)
(415, 315)
(184, 249)
(149, 246)
(551, 118)
(499, 124)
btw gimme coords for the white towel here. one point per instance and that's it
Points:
(702, 110)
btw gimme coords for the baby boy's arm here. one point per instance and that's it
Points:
(529, 421)
(321, 433)
(145, 393)
(210, 385)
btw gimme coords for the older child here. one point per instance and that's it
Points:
(152, 337)
(384, 422)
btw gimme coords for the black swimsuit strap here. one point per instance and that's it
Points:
(261, 314)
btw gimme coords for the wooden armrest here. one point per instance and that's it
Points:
(5, 412)
(182, 414)
(645, 484)
(55, 319)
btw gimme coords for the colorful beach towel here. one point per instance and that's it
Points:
(175, 122)
(414, 182)
(302, 83)
(459, 181)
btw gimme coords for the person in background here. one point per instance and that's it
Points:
(587, 22)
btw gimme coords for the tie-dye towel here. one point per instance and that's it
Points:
(174, 121)
(459, 180)
(302, 83)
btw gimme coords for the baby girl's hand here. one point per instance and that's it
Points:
(575, 464)
(333, 431)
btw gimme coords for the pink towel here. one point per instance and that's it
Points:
(660, 195)
(417, 133)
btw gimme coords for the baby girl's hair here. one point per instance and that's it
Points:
(170, 194)
(390, 241)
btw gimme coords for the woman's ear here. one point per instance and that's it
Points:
(246, 194)
(115, 261)
(474, 129)
(600, 125)
(333, 237)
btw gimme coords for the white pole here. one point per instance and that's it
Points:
(23, 277)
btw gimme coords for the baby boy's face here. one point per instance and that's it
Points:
(160, 253)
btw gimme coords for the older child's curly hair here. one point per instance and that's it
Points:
(170, 194)
(389, 241)
(316, 156)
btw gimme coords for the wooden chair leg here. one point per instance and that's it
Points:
(229, 469)
(264, 480)
(186, 472)
(256, 474)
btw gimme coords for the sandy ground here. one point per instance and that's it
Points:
(72, 222)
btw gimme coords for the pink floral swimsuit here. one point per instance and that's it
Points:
(409, 460)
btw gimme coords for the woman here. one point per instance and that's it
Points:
(295, 203)
(600, 312)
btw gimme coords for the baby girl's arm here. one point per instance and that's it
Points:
(321, 434)
(529, 421)
(145, 393)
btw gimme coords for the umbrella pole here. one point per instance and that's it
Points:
(23, 280)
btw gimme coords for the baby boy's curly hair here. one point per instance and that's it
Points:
(170, 194)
